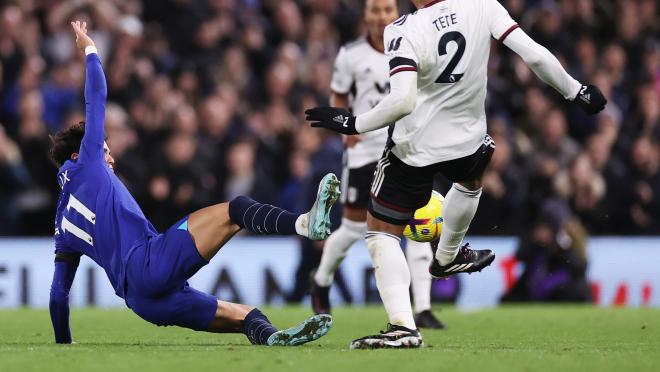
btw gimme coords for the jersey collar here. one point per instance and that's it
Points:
(432, 3)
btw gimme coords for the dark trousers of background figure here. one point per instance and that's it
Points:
(310, 257)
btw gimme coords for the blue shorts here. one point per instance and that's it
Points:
(185, 307)
(156, 281)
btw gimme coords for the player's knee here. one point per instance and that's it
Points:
(376, 224)
(378, 241)
(471, 187)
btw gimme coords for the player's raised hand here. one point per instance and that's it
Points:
(82, 39)
(590, 99)
(333, 118)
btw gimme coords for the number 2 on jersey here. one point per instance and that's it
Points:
(447, 76)
(90, 216)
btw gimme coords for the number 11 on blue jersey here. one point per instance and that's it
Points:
(68, 226)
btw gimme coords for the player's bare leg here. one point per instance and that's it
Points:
(229, 317)
(461, 203)
(211, 228)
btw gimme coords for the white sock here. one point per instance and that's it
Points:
(419, 257)
(336, 248)
(301, 225)
(458, 210)
(392, 277)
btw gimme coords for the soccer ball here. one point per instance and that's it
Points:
(426, 225)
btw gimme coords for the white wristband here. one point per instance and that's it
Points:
(90, 49)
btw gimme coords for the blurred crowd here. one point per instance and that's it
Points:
(206, 100)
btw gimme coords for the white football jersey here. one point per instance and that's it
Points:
(362, 72)
(448, 44)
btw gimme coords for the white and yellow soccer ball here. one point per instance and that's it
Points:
(426, 225)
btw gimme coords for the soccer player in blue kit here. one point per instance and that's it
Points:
(97, 217)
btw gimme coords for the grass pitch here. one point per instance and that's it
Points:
(526, 338)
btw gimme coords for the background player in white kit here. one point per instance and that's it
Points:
(360, 80)
(439, 56)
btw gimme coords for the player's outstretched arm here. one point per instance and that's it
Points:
(546, 66)
(96, 93)
(397, 104)
(65, 271)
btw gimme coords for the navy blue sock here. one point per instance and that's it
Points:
(262, 218)
(257, 327)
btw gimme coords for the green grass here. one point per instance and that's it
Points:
(529, 338)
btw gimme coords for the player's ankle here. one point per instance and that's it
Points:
(302, 225)
(445, 257)
(257, 328)
(403, 319)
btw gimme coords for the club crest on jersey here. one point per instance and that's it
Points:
(394, 44)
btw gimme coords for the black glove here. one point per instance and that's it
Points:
(333, 118)
(590, 99)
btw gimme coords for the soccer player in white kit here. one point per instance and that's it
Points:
(360, 80)
(439, 56)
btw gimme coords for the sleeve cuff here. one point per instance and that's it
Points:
(572, 95)
(91, 49)
(399, 64)
(357, 125)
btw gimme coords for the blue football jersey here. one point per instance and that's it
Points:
(96, 215)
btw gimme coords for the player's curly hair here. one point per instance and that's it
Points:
(65, 143)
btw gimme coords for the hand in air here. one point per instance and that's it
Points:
(82, 39)
(333, 118)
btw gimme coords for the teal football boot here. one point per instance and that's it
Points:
(311, 329)
(318, 222)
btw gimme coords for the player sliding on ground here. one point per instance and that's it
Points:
(360, 80)
(97, 216)
(438, 59)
